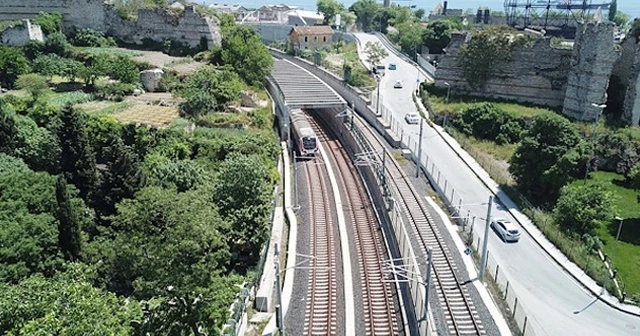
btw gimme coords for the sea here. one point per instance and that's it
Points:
(631, 7)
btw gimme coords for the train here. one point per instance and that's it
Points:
(304, 137)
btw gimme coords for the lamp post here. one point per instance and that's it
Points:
(419, 163)
(613, 253)
(378, 96)
(483, 261)
(448, 90)
(593, 139)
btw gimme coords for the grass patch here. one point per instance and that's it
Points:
(110, 51)
(105, 106)
(60, 99)
(458, 103)
(627, 257)
(155, 116)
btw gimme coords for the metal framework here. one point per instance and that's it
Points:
(550, 13)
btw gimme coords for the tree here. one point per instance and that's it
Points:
(56, 43)
(633, 179)
(410, 37)
(243, 197)
(543, 145)
(613, 9)
(209, 89)
(65, 305)
(96, 67)
(419, 13)
(243, 49)
(12, 65)
(621, 19)
(35, 84)
(329, 8)
(68, 223)
(180, 174)
(37, 146)
(123, 69)
(122, 178)
(366, 11)
(77, 160)
(437, 36)
(375, 52)
(582, 209)
(49, 22)
(8, 130)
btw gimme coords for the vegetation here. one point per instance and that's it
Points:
(375, 52)
(366, 11)
(329, 8)
(123, 229)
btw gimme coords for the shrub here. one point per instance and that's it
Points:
(89, 38)
(487, 121)
(56, 43)
(49, 22)
(582, 209)
(633, 179)
(114, 91)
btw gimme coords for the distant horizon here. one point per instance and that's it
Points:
(626, 6)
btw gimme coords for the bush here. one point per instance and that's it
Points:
(56, 43)
(633, 179)
(486, 121)
(49, 22)
(114, 91)
(582, 209)
(90, 38)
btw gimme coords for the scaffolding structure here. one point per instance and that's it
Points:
(551, 13)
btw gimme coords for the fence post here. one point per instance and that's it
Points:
(506, 291)
(515, 306)
(446, 183)
(524, 327)
(495, 278)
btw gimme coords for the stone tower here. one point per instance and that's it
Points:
(631, 108)
(591, 64)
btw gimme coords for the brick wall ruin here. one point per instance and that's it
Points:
(156, 24)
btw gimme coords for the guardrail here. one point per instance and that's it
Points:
(430, 70)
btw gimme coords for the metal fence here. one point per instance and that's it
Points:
(449, 193)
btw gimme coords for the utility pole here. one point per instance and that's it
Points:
(295, 179)
(426, 287)
(279, 321)
(483, 261)
(378, 95)
(419, 163)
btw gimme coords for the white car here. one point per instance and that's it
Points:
(398, 84)
(506, 230)
(412, 118)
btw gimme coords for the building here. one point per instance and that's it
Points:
(310, 37)
(21, 34)
(304, 18)
(274, 13)
(239, 12)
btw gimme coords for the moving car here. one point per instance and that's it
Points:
(506, 230)
(379, 69)
(392, 66)
(412, 118)
(398, 84)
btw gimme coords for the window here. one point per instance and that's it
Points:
(306, 39)
(315, 39)
(324, 39)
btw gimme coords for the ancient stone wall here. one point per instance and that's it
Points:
(160, 25)
(536, 74)
(631, 107)
(591, 65)
(76, 13)
(19, 35)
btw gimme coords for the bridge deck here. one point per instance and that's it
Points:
(302, 89)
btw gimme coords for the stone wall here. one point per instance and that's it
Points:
(536, 74)
(631, 107)
(19, 35)
(76, 13)
(159, 25)
(591, 66)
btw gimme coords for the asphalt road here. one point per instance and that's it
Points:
(554, 302)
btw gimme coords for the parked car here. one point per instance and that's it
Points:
(398, 84)
(412, 118)
(392, 66)
(506, 230)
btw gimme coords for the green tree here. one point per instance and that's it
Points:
(419, 13)
(582, 209)
(65, 305)
(122, 178)
(366, 11)
(48, 65)
(95, 67)
(243, 195)
(123, 69)
(480, 57)
(56, 43)
(77, 160)
(633, 179)
(49, 22)
(410, 37)
(243, 49)
(68, 223)
(613, 9)
(329, 8)
(621, 19)
(209, 89)
(543, 145)
(35, 84)
(375, 52)
(8, 130)
(12, 65)
(180, 174)
(28, 227)
(37, 146)
(437, 35)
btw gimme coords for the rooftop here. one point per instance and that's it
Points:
(313, 30)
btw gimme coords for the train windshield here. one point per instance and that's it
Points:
(309, 143)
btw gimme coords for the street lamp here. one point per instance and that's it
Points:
(448, 90)
(613, 253)
(378, 94)
(593, 138)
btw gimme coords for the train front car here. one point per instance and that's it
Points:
(305, 138)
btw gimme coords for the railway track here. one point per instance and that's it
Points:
(459, 311)
(378, 296)
(321, 307)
